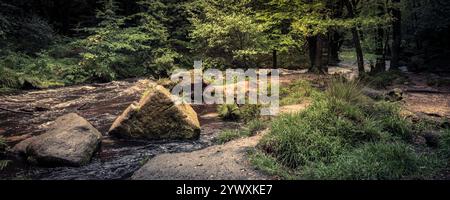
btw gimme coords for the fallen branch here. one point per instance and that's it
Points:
(17, 111)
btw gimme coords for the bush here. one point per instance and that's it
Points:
(376, 161)
(229, 111)
(233, 112)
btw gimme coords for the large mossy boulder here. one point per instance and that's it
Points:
(157, 117)
(70, 141)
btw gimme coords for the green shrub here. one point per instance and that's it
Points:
(233, 112)
(229, 111)
(376, 161)
(250, 112)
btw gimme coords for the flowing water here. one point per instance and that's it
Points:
(29, 113)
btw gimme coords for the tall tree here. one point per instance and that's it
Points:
(396, 33)
(352, 12)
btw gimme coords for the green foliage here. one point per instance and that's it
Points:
(342, 90)
(296, 93)
(256, 125)
(296, 144)
(234, 112)
(229, 135)
(249, 112)
(331, 131)
(269, 165)
(376, 161)
(229, 111)
(226, 33)
(115, 45)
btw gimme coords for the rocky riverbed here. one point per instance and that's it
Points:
(30, 113)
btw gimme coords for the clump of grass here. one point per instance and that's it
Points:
(391, 120)
(340, 89)
(335, 131)
(295, 143)
(376, 161)
(231, 134)
(256, 125)
(269, 165)
(296, 93)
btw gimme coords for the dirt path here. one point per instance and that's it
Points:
(429, 103)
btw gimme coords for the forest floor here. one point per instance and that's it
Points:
(29, 113)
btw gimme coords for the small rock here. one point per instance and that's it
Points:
(395, 94)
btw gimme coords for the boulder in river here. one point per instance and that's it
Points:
(157, 117)
(70, 141)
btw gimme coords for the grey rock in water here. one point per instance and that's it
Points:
(70, 141)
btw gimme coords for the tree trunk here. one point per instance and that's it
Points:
(356, 39)
(380, 64)
(312, 42)
(319, 54)
(396, 34)
(359, 52)
(334, 46)
(274, 59)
